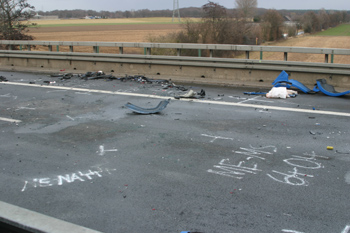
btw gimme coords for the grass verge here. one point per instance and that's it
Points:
(341, 30)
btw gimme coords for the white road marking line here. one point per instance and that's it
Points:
(346, 229)
(9, 120)
(189, 100)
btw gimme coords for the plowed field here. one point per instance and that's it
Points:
(141, 32)
(105, 33)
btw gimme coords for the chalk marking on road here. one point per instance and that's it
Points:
(10, 120)
(346, 229)
(26, 108)
(347, 177)
(291, 231)
(255, 99)
(70, 117)
(216, 137)
(102, 150)
(188, 100)
(7, 95)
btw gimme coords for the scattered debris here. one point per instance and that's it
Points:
(283, 81)
(281, 92)
(162, 105)
(192, 94)
(312, 132)
(50, 82)
(65, 76)
(3, 79)
(255, 93)
(97, 75)
(321, 85)
(342, 152)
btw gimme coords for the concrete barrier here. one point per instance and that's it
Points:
(209, 70)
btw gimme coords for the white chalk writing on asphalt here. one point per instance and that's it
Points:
(245, 165)
(216, 137)
(80, 176)
(297, 177)
(245, 162)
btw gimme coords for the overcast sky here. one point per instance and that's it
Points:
(123, 5)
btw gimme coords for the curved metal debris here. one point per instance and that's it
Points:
(162, 105)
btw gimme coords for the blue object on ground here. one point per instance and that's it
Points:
(162, 105)
(321, 85)
(255, 93)
(283, 81)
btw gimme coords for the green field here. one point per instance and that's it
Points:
(341, 30)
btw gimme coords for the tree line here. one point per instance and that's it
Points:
(271, 22)
(251, 26)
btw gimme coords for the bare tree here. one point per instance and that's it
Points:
(272, 26)
(216, 27)
(311, 23)
(246, 8)
(323, 19)
(13, 19)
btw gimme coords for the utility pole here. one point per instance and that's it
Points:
(176, 9)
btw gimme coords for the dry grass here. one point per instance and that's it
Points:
(342, 42)
(105, 33)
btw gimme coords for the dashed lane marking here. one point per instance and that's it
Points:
(189, 100)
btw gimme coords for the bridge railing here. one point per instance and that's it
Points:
(328, 53)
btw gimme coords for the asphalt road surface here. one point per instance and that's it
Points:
(228, 162)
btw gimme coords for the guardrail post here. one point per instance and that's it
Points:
(96, 49)
(147, 51)
(332, 57)
(246, 54)
(20, 47)
(29, 47)
(121, 50)
(211, 53)
(285, 56)
(10, 47)
(178, 52)
(199, 52)
(57, 48)
(71, 48)
(326, 58)
(50, 48)
(261, 55)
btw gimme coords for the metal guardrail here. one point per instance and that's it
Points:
(214, 62)
(321, 68)
(182, 46)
